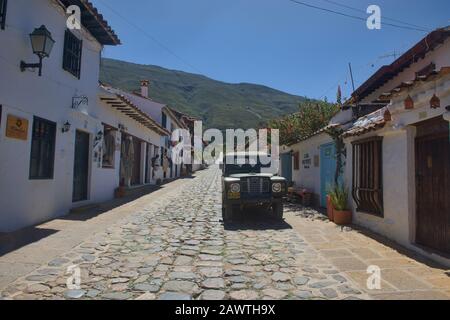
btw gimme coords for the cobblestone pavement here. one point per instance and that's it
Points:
(177, 248)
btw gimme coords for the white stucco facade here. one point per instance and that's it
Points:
(308, 175)
(25, 201)
(23, 94)
(398, 152)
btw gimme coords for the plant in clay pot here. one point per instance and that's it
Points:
(342, 215)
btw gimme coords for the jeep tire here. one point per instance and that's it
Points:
(277, 210)
(227, 213)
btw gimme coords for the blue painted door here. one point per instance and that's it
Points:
(286, 166)
(327, 170)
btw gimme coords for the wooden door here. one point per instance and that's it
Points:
(81, 167)
(136, 173)
(327, 170)
(286, 166)
(433, 185)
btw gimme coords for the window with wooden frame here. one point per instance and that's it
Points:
(3, 5)
(72, 54)
(297, 161)
(367, 167)
(42, 149)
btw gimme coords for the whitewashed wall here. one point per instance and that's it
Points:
(399, 171)
(309, 177)
(23, 201)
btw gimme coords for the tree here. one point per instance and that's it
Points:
(312, 116)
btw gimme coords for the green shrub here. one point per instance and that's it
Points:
(339, 197)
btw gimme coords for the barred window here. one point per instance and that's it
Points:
(3, 5)
(367, 188)
(42, 149)
(72, 54)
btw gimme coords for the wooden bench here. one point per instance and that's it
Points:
(305, 195)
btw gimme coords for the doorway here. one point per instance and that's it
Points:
(286, 166)
(327, 170)
(433, 185)
(136, 171)
(81, 167)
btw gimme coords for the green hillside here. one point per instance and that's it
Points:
(220, 105)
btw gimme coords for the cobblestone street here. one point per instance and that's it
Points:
(178, 248)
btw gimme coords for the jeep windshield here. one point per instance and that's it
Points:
(235, 168)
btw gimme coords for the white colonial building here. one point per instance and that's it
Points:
(397, 141)
(49, 123)
(398, 157)
(168, 119)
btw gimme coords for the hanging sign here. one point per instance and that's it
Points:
(16, 128)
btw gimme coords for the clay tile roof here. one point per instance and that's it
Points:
(93, 21)
(371, 122)
(121, 103)
(432, 76)
(386, 73)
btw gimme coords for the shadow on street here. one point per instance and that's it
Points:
(255, 219)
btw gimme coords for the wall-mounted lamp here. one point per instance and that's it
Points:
(42, 44)
(66, 127)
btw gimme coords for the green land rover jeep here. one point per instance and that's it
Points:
(245, 186)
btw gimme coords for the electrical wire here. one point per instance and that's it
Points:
(352, 16)
(384, 17)
(151, 37)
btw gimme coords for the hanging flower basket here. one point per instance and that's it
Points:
(435, 102)
(409, 103)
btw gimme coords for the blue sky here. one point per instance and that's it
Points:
(277, 43)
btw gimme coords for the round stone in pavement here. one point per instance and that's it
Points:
(211, 272)
(74, 294)
(329, 293)
(180, 286)
(244, 295)
(213, 283)
(213, 295)
(280, 277)
(300, 280)
(175, 296)
(302, 294)
(146, 287)
(274, 293)
(35, 288)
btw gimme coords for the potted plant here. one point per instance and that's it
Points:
(342, 215)
(329, 208)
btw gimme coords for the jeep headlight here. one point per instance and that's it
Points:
(235, 187)
(277, 187)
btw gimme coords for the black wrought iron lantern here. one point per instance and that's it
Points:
(66, 127)
(42, 44)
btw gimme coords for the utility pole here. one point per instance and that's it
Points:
(351, 76)
(353, 86)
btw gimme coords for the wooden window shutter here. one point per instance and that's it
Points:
(297, 161)
(367, 178)
(73, 48)
(3, 6)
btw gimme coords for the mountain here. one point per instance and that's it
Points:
(220, 105)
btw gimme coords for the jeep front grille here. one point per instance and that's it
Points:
(255, 185)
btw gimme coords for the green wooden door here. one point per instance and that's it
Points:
(81, 167)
